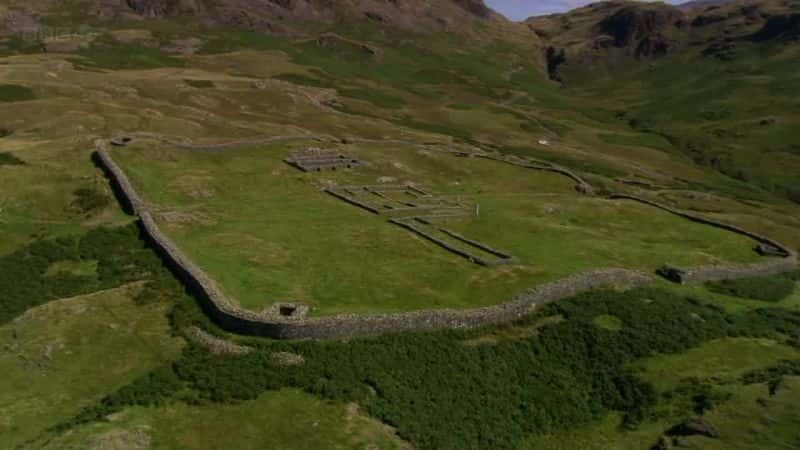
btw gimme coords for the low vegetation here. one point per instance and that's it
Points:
(441, 393)
(613, 366)
(257, 258)
(766, 289)
(107, 53)
(27, 281)
(773, 375)
(200, 84)
(8, 159)
(89, 200)
(15, 93)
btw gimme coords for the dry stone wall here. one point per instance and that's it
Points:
(233, 318)
(214, 344)
(582, 186)
(773, 266)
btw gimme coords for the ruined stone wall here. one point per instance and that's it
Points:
(582, 186)
(122, 186)
(772, 266)
(214, 344)
(233, 318)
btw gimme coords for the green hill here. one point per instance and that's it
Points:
(486, 155)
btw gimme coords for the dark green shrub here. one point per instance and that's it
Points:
(305, 80)
(441, 393)
(121, 256)
(107, 53)
(766, 289)
(377, 98)
(773, 375)
(15, 93)
(7, 159)
(89, 200)
(200, 84)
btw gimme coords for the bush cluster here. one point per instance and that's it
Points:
(441, 393)
(200, 84)
(7, 159)
(89, 200)
(121, 257)
(773, 375)
(766, 289)
(15, 93)
(108, 53)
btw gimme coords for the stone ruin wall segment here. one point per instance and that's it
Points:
(233, 318)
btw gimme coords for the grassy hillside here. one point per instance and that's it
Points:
(93, 327)
(267, 232)
(718, 92)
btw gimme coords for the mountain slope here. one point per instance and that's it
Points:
(283, 14)
(713, 80)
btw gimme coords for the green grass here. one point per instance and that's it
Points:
(286, 420)
(68, 354)
(70, 267)
(114, 55)
(34, 274)
(746, 416)
(744, 128)
(223, 41)
(638, 140)
(449, 390)
(726, 360)
(10, 93)
(267, 233)
(305, 80)
(608, 322)
(16, 45)
(377, 98)
(587, 165)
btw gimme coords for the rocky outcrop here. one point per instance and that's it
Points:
(784, 27)
(632, 24)
(164, 8)
(476, 7)
(282, 16)
(694, 427)
(653, 47)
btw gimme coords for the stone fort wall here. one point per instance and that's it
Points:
(772, 266)
(233, 318)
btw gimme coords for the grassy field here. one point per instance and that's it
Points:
(63, 356)
(733, 116)
(280, 420)
(748, 418)
(267, 233)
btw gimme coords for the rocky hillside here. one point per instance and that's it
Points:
(614, 33)
(702, 4)
(280, 15)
